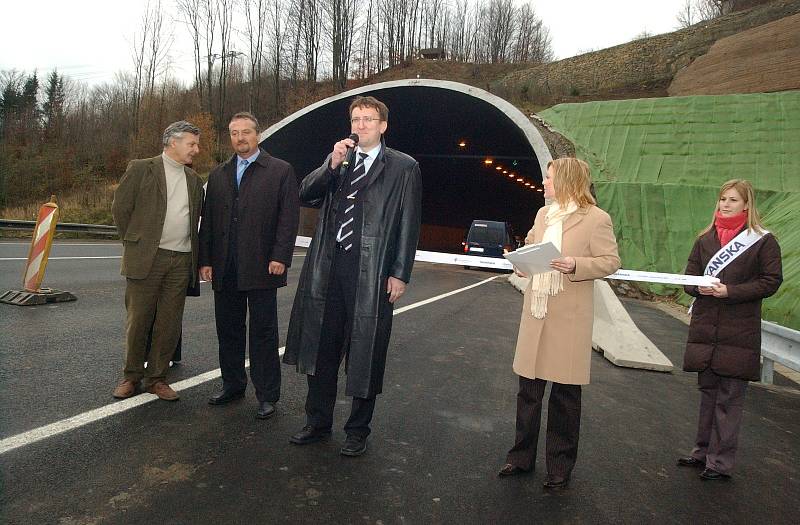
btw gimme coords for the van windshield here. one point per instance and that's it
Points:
(486, 235)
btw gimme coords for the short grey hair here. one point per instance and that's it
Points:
(175, 130)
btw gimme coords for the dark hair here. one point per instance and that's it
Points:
(245, 115)
(370, 102)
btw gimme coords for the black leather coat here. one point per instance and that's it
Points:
(391, 216)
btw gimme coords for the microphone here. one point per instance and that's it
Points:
(351, 153)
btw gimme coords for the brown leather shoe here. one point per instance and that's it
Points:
(163, 391)
(125, 389)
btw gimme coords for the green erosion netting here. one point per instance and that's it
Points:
(658, 164)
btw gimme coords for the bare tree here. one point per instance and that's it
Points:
(341, 18)
(499, 28)
(160, 42)
(312, 38)
(532, 41)
(255, 12)
(225, 10)
(687, 16)
(277, 17)
(208, 18)
(189, 11)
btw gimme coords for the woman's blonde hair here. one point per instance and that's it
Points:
(571, 181)
(748, 195)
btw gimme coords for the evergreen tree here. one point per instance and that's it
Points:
(53, 107)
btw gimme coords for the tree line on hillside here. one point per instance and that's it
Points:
(267, 56)
(270, 57)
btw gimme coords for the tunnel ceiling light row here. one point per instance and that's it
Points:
(489, 162)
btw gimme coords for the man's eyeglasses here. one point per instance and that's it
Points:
(367, 120)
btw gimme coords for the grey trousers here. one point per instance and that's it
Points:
(721, 404)
(156, 301)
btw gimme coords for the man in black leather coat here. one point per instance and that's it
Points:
(357, 266)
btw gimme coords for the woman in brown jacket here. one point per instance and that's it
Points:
(555, 334)
(724, 343)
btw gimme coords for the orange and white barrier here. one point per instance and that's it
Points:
(40, 245)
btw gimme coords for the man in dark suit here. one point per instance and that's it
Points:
(247, 240)
(357, 266)
(156, 209)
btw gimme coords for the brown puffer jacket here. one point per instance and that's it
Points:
(725, 334)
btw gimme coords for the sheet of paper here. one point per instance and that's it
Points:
(534, 258)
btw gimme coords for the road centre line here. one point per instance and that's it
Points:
(59, 427)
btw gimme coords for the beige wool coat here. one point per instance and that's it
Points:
(558, 348)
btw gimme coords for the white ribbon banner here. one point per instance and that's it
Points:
(664, 278)
(502, 264)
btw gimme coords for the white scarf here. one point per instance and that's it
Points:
(550, 283)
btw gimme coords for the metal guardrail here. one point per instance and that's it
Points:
(778, 344)
(93, 229)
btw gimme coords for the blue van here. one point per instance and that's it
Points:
(489, 239)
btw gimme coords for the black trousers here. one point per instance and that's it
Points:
(336, 325)
(563, 426)
(230, 309)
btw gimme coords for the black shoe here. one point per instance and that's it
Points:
(555, 482)
(225, 396)
(354, 446)
(511, 470)
(691, 462)
(265, 410)
(308, 435)
(712, 475)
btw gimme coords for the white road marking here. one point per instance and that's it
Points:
(64, 258)
(71, 423)
(92, 257)
(59, 244)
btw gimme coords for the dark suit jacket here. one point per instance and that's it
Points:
(139, 210)
(268, 216)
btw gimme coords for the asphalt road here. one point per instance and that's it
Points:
(440, 432)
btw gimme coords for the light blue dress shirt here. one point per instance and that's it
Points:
(241, 165)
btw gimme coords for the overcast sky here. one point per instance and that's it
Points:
(91, 39)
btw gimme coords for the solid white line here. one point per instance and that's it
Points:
(92, 257)
(64, 258)
(58, 244)
(71, 423)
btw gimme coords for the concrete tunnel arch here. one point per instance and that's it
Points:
(305, 137)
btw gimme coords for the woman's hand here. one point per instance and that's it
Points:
(519, 273)
(563, 264)
(719, 290)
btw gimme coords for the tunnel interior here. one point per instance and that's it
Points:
(475, 161)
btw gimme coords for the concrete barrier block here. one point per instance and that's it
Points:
(615, 335)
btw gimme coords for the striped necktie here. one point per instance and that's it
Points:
(358, 179)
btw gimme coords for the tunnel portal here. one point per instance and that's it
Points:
(480, 157)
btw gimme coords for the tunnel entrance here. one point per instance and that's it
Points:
(480, 157)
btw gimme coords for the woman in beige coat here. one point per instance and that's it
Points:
(555, 334)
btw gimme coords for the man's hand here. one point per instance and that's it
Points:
(276, 268)
(519, 273)
(205, 273)
(340, 152)
(395, 288)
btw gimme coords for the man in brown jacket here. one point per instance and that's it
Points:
(157, 209)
